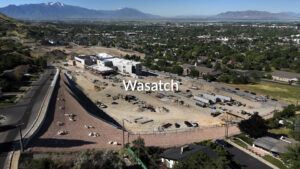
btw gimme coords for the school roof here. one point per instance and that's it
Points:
(101, 68)
(284, 74)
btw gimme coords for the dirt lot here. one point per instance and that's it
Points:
(167, 109)
(77, 137)
(82, 50)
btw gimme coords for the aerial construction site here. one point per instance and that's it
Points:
(196, 105)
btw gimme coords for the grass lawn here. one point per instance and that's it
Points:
(288, 94)
(281, 131)
(240, 143)
(274, 161)
(6, 101)
(245, 138)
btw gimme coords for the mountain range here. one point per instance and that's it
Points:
(60, 11)
(57, 10)
(251, 14)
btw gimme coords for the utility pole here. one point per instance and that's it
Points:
(123, 134)
(226, 127)
(128, 137)
(21, 138)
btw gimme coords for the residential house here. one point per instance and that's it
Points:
(171, 157)
(273, 145)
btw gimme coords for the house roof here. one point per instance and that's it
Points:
(274, 145)
(284, 74)
(176, 155)
(206, 70)
(187, 66)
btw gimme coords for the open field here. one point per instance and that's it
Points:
(287, 94)
(149, 114)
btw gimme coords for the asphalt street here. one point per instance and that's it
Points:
(245, 160)
(25, 111)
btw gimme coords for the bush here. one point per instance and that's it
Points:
(95, 160)
(39, 164)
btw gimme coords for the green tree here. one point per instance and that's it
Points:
(254, 126)
(194, 73)
(177, 70)
(292, 157)
(200, 160)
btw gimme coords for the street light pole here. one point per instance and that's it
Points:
(21, 138)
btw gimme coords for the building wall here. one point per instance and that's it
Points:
(281, 79)
(138, 69)
(186, 71)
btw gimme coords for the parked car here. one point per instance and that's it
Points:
(167, 125)
(188, 124)
(114, 103)
(222, 143)
(195, 124)
(177, 125)
(103, 106)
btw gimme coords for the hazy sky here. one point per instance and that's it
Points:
(178, 7)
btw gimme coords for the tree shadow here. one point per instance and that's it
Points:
(58, 143)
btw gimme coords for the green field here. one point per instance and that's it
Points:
(240, 143)
(281, 131)
(285, 93)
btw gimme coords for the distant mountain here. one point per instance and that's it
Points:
(291, 14)
(57, 10)
(252, 15)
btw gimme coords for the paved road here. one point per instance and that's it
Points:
(247, 161)
(25, 111)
